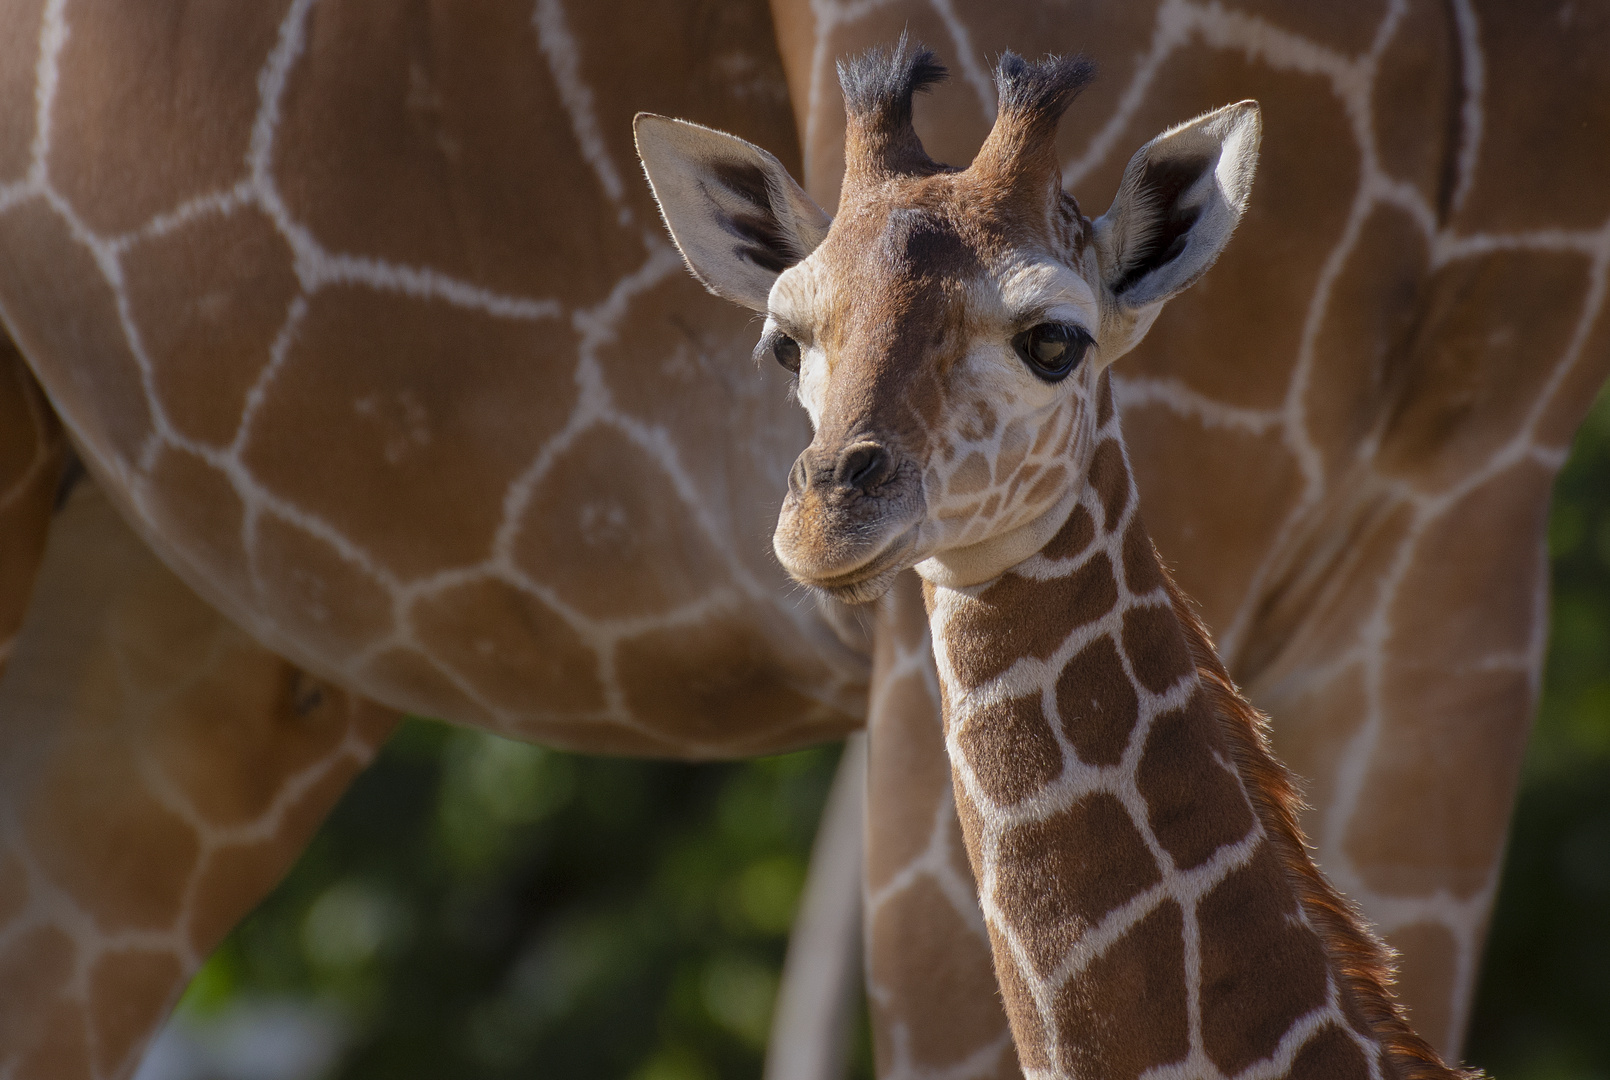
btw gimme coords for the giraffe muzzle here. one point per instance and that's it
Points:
(850, 520)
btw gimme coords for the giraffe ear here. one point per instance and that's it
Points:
(1180, 199)
(733, 210)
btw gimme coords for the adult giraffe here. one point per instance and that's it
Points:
(200, 208)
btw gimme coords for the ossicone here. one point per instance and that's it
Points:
(1033, 95)
(879, 85)
(1018, 161)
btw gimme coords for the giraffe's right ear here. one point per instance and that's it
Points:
(733, 210)
(1180, 199)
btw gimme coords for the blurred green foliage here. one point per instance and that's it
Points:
(480, 908)
(477, 908)
(1543, 1010)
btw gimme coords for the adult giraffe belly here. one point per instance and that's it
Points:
(363, 315)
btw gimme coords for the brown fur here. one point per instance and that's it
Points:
(1363, 965)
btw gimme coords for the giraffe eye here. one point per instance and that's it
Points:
(785, 350)
(1052, 350)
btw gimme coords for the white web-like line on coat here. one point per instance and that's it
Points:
(941, 864)
(1034, 676)
(146, 704)
(1351, 79)
(317, 268)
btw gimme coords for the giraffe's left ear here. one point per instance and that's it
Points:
(737, 216)
(1180, 199)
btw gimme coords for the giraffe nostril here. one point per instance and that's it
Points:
(864, 466)
(798, 477)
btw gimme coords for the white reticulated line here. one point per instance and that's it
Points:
(961, 40)
(16, 193)
(1177, 21)
(1186, 888)
(47, 77)
(211, 204)
(563, 53)
(1177, 397)
(1473, 85)
(317, 268)
(934, 863)
(829, 16)
(1170, 31)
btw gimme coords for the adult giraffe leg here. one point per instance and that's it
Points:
(1403, 670)
(934, 1002)
(935, 1006)
(31, 451)
(159, 771)
(811, 1027)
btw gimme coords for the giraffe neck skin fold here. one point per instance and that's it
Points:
(1151, 904)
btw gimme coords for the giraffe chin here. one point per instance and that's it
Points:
(867, 581)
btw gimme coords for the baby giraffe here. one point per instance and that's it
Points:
(1151, 903)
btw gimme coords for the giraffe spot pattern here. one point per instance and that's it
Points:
(1262, 967)
(1013, 449)
(1141, 978)
(1329, 1055)
(35, 965)
(111, 413)
(1141, 573)
(696, 685)
(970, 477)
(1195, 805)
(421, 687)
(1366, 81)
(1019, 616)
(1049, 433)
(344, 604)
(914, 951)
(1357, 43)
(1011, 748)
(1074, 536)
(1028, 1031)
(1156, 647)
(1058, 877)
(1104, 400)
(1047, 487)
(1097, 703)
(976, 422)
(127, 998)
(640, 549)
(209, 519)
(1109, 476)
(88, 846)
(208, 343)
(511, 645)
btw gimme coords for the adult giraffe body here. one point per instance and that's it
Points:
(236, 247)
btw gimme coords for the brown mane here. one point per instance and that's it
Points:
(1364, 964)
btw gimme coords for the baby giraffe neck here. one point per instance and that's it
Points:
(1150, 900)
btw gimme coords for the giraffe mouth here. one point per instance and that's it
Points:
(868, 579)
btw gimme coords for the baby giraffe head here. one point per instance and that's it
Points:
(948, 330)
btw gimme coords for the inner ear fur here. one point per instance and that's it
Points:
(1180, 199)
(736, 215)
